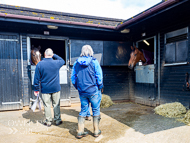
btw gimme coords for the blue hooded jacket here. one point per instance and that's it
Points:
(87, 75)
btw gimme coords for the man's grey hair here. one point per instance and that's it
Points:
(87, 51)
(49, 52)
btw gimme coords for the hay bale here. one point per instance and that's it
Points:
(171, 110)
(106, 101)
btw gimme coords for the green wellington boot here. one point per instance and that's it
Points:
(96, 121)
(81, 132)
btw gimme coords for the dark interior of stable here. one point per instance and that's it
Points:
(58, 46)
(147, 44)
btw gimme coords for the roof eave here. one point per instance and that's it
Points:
(5, 15)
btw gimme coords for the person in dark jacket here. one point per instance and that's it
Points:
(47, 73)
(87, 79)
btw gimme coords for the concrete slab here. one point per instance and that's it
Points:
(122, 122)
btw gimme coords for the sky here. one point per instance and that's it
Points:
(121, 9)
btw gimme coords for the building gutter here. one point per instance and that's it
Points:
(5, 15)
(4, 6)
(146, 13)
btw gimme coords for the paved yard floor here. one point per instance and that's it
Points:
(120, 123)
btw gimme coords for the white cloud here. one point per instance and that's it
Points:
(122, 9)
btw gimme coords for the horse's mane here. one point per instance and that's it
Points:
(141, 50)
(138, 49)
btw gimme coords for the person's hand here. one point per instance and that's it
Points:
(187, 84)
(36, 93)
(102, 90)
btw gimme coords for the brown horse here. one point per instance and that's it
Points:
(136, 55)
(35, 55)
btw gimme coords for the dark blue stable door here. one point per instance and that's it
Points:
(10, 72)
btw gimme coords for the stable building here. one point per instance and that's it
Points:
(164, 26)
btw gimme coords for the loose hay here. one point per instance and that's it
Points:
(186, 119)
(106, 101)
(171, 110)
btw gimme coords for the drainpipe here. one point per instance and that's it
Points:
(159, 68)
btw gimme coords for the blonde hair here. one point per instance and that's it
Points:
(87, 51)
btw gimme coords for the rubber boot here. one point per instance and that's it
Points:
(81, 132)
(96, 121)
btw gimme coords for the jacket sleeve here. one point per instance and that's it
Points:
(37, 78)
(61, 62)
(74, 76)
(98, 74)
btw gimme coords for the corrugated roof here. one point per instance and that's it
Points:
(17, 10)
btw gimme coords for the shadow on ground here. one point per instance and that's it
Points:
(64, 130)
(39, 115)
(141, 118)
(34, 117)
(71, 112)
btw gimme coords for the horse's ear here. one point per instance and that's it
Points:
(39, 47)
(132, 48)
(135, 47)
(32, 47)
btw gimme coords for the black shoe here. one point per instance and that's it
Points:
(46, 124)
(57, 124)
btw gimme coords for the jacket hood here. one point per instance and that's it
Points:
(85, 61)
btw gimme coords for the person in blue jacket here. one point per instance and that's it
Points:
(87, 79)
(47, 73)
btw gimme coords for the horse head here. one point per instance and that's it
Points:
(135, 56)
(35, 55)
